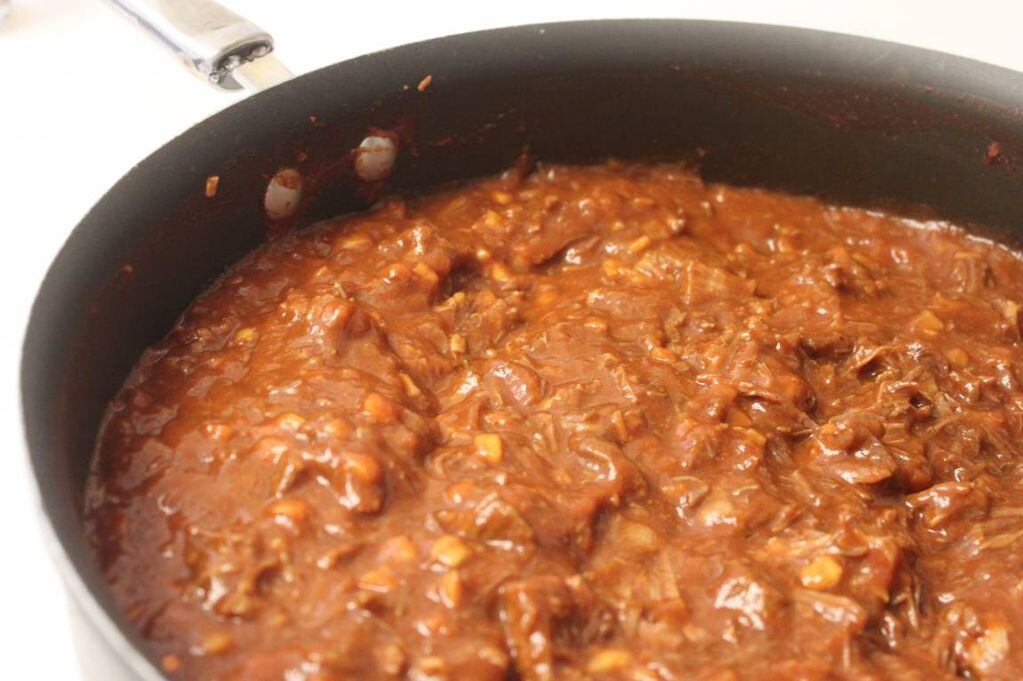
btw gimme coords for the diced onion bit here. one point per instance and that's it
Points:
(500, 272)
(489, 447)
(823, 572)
(355, 242)
(493, 656)
(292, 511)
(283, 194)
(217, 643)
(450, 551)
(928, 323)
(608, 660)
(399, 549)
(364, 467)
(640, 244)
(450, 589)
(990, 648)
(411, 389)
(459, 492)
(663, 355)
(611, 267)
(379, 580)
(456, 343)
(380, 408)
(638, 537)
(492, 219)
(374, 159)
(212, 182)
(171, 663)
(546, 298)
(218, 431)
(290, 421)
(390, 659)
(431, 667)
(426, 273)
(958, 358)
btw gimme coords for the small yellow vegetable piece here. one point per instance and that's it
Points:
(500, 272)
(294, 511)
(171, 663)
(380, 408)
(489, 446)
(611, 267)
(217, 643)
(456, 343)
(608, 660)
(823, 572)
(663, 355)
(449, 550)
(426, 273)
(290, 421)
(450, 589)
(640, 244)
(411, 389)
(928, 323)
(364, 467)
(380, 580)
(398, 550)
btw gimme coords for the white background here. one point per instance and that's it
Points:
(84, 95)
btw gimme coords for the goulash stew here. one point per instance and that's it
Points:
(600, 422)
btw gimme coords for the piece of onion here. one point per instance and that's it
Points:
(374, 159)
(283, 194)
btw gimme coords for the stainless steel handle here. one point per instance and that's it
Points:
(220, 46)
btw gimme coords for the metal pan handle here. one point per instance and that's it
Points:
(218, 45)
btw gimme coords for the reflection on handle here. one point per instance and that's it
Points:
(212, 40)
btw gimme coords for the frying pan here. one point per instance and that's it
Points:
(848, 119)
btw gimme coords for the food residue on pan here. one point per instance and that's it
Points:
(994, 152)
(212, 182)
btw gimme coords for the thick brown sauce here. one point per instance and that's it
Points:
(601, 422)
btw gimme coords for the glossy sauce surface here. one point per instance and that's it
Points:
(599, 422)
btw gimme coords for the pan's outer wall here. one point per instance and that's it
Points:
(849, 119)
